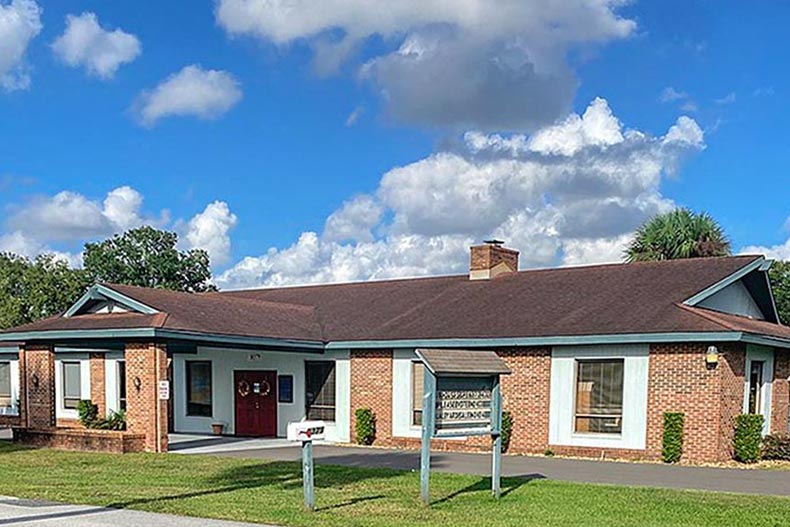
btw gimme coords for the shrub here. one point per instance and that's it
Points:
(89, 417)
(507, 430)
(672, 442)
(366, 426)
(548, 452)
(88, 413)
(776, 447)
(748, 437)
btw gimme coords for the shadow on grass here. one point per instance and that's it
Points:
(508, 485)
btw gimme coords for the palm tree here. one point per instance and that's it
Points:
(678, 234)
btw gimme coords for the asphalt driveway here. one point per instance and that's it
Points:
(755, 481)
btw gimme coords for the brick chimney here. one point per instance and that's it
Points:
(491, 259)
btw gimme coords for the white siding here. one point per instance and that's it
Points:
(402, 394)
(735, 299)
(224, 362)
(563, 392)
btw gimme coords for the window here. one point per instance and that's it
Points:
(417, 374)
(285, 389)
(199, 388)
(72, 385)
(5, 385)
(320, 390)
(755, 386)
(121, 385)
(599, 396)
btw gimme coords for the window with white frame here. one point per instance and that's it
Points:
(5, 385)
(599, 396)
(417, 375)
(72, 384)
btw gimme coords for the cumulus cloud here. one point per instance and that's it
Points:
(20, 22)
(487, 64)
(210, 230)
(206, 94)
(100, 51)
(69, 219)
(69, 216)
(570, 193)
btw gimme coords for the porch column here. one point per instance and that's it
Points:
(37, 390)
(146, 366)
(98, 383)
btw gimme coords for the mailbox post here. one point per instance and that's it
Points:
(306, 432)
(462, 397)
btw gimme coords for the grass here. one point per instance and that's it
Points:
(271, 492)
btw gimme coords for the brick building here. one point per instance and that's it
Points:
(597, 354)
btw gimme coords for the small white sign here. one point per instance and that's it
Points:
(164, 390)
(306, 431)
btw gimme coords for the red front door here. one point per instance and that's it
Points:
(256, 403)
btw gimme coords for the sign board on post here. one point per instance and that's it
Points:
(307, 432)
(461, 398)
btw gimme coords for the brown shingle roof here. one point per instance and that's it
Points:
(575, 301)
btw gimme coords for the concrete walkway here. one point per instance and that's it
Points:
(756, 481)
(30, 513)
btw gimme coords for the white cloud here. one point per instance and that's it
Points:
(776, 252)
(727, 99)
(487, 64)
(20, 22)
(70, 216)
(100, 51)
(210, 230)
(206, 94)
(354, 116)
(670, 94)
(69, 219)
(571, 193)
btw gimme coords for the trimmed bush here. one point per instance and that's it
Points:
(748, 437)
(507, 430)
(672, 442)
(366, 426)
(776, 447)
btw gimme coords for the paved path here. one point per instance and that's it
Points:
(757, 481)
(29, 513)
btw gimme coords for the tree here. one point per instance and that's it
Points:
(148, 257)
(678, 234)
(30, 290)
(780, 283)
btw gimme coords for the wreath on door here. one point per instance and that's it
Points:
(243, 388)
(266, 388)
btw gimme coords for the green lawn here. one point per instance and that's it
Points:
(255, 491)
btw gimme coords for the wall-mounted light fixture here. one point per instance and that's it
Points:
(137, 383)
(35, 380)
(712, 356)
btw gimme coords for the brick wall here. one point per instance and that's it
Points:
(678, 380)
(709, 396)
(525, 394)
(146, 365)
(39, 405)
(98, 386)
(82, 440)
(371, 387)
(780, 398)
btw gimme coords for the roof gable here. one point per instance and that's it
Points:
(100, 299)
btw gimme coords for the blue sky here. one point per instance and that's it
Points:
(343, 141)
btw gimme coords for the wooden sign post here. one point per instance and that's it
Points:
(462, 397)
